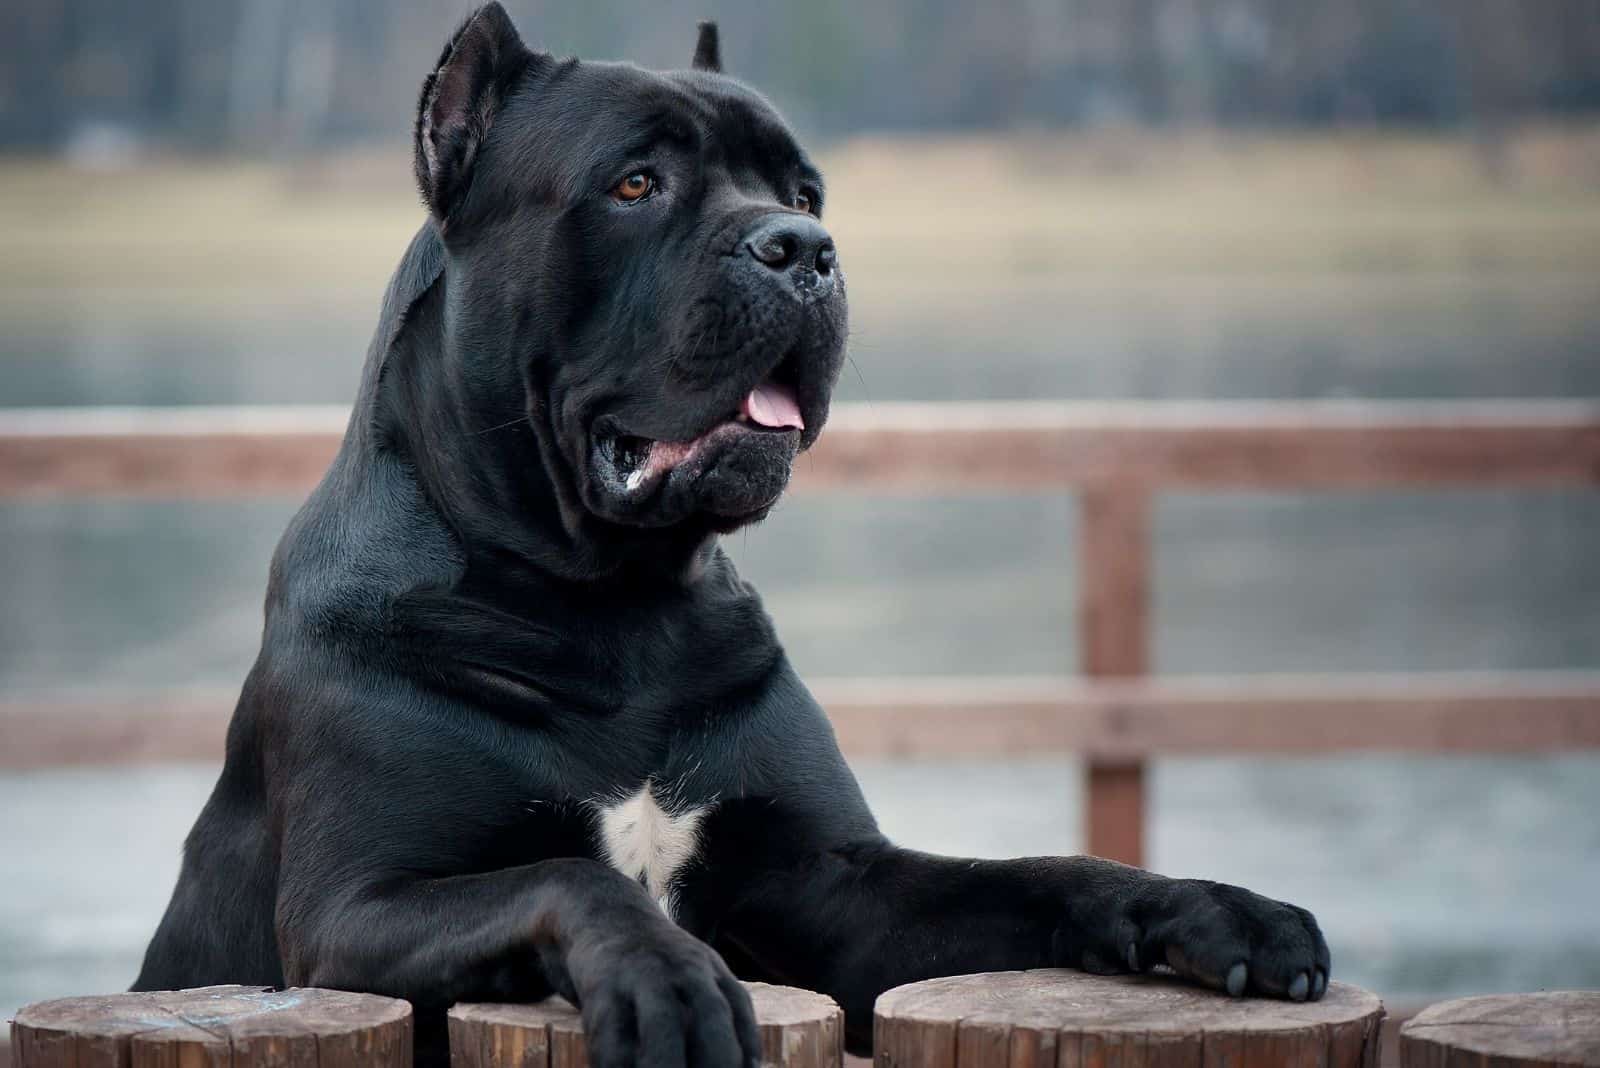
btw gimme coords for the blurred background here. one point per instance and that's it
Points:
(201, 201)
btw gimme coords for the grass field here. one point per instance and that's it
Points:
(907, 211)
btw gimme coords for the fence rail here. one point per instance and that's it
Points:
(897, 447)
(1116, 456)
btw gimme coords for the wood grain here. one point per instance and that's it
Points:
(1067, 1019)
(1114, 637)
(1129, 719)
(799, 1029)
(892, 447)
(990, 717)
(215, 1027)
(1114, 810)
(1556, 1028)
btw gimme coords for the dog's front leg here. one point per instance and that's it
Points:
(857, 920)
(650, 993)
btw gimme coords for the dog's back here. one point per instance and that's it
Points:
(220, 924)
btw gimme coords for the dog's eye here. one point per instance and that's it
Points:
(634, 187)
(803, 201)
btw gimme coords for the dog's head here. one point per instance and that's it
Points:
(646, 251)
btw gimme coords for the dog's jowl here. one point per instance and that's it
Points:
(517, 725)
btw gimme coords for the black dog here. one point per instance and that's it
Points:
(517, 725)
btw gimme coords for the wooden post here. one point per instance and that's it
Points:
(1550, 1030)
(1051, 1017)
(1113, 634)
(215, 1027)
(799, 1029)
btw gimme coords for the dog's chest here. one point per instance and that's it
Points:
(648, 842)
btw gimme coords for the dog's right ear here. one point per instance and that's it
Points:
(708, 49)
(459, 101)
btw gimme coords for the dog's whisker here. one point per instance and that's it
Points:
(498, 426)
(867, 393)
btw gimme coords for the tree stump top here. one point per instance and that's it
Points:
(1556, 1028)
(215, 1025)
(799, 1029)
(1051, 1016)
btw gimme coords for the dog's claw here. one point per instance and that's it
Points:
(1300, 987)
(1319, 985)
(1237, 976)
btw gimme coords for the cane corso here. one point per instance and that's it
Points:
(517, 725)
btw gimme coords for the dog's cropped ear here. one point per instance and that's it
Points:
(708, 49)
(459, 101)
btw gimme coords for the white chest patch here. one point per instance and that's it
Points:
(645, 842)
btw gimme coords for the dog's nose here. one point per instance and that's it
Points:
(797, 247)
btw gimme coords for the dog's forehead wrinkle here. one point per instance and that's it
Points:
(570, 126)
(627, 92)
(763, 147)
(738, 118)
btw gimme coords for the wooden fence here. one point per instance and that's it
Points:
(1114, 456)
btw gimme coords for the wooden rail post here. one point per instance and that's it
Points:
(1052, 1017)
(1113, 636)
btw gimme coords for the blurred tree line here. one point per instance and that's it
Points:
(263, 75)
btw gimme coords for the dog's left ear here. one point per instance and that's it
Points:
(708, 49)
(459, 101)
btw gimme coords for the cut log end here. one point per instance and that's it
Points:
(799, 1029)
(1557, 1029)
(215, 1027)
(1055, 1017)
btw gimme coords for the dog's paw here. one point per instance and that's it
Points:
(669, 1001)
(1224, 937)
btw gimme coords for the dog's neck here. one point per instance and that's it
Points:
(458, 418)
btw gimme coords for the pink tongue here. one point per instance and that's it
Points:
(773, 405)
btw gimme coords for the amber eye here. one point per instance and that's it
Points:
(802, 200)
(635, 186)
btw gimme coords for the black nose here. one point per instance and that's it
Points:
(797, 246)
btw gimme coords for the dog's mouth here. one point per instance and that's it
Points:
(744, 456)
(771, 408)
(720, 455)
(725, 456)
